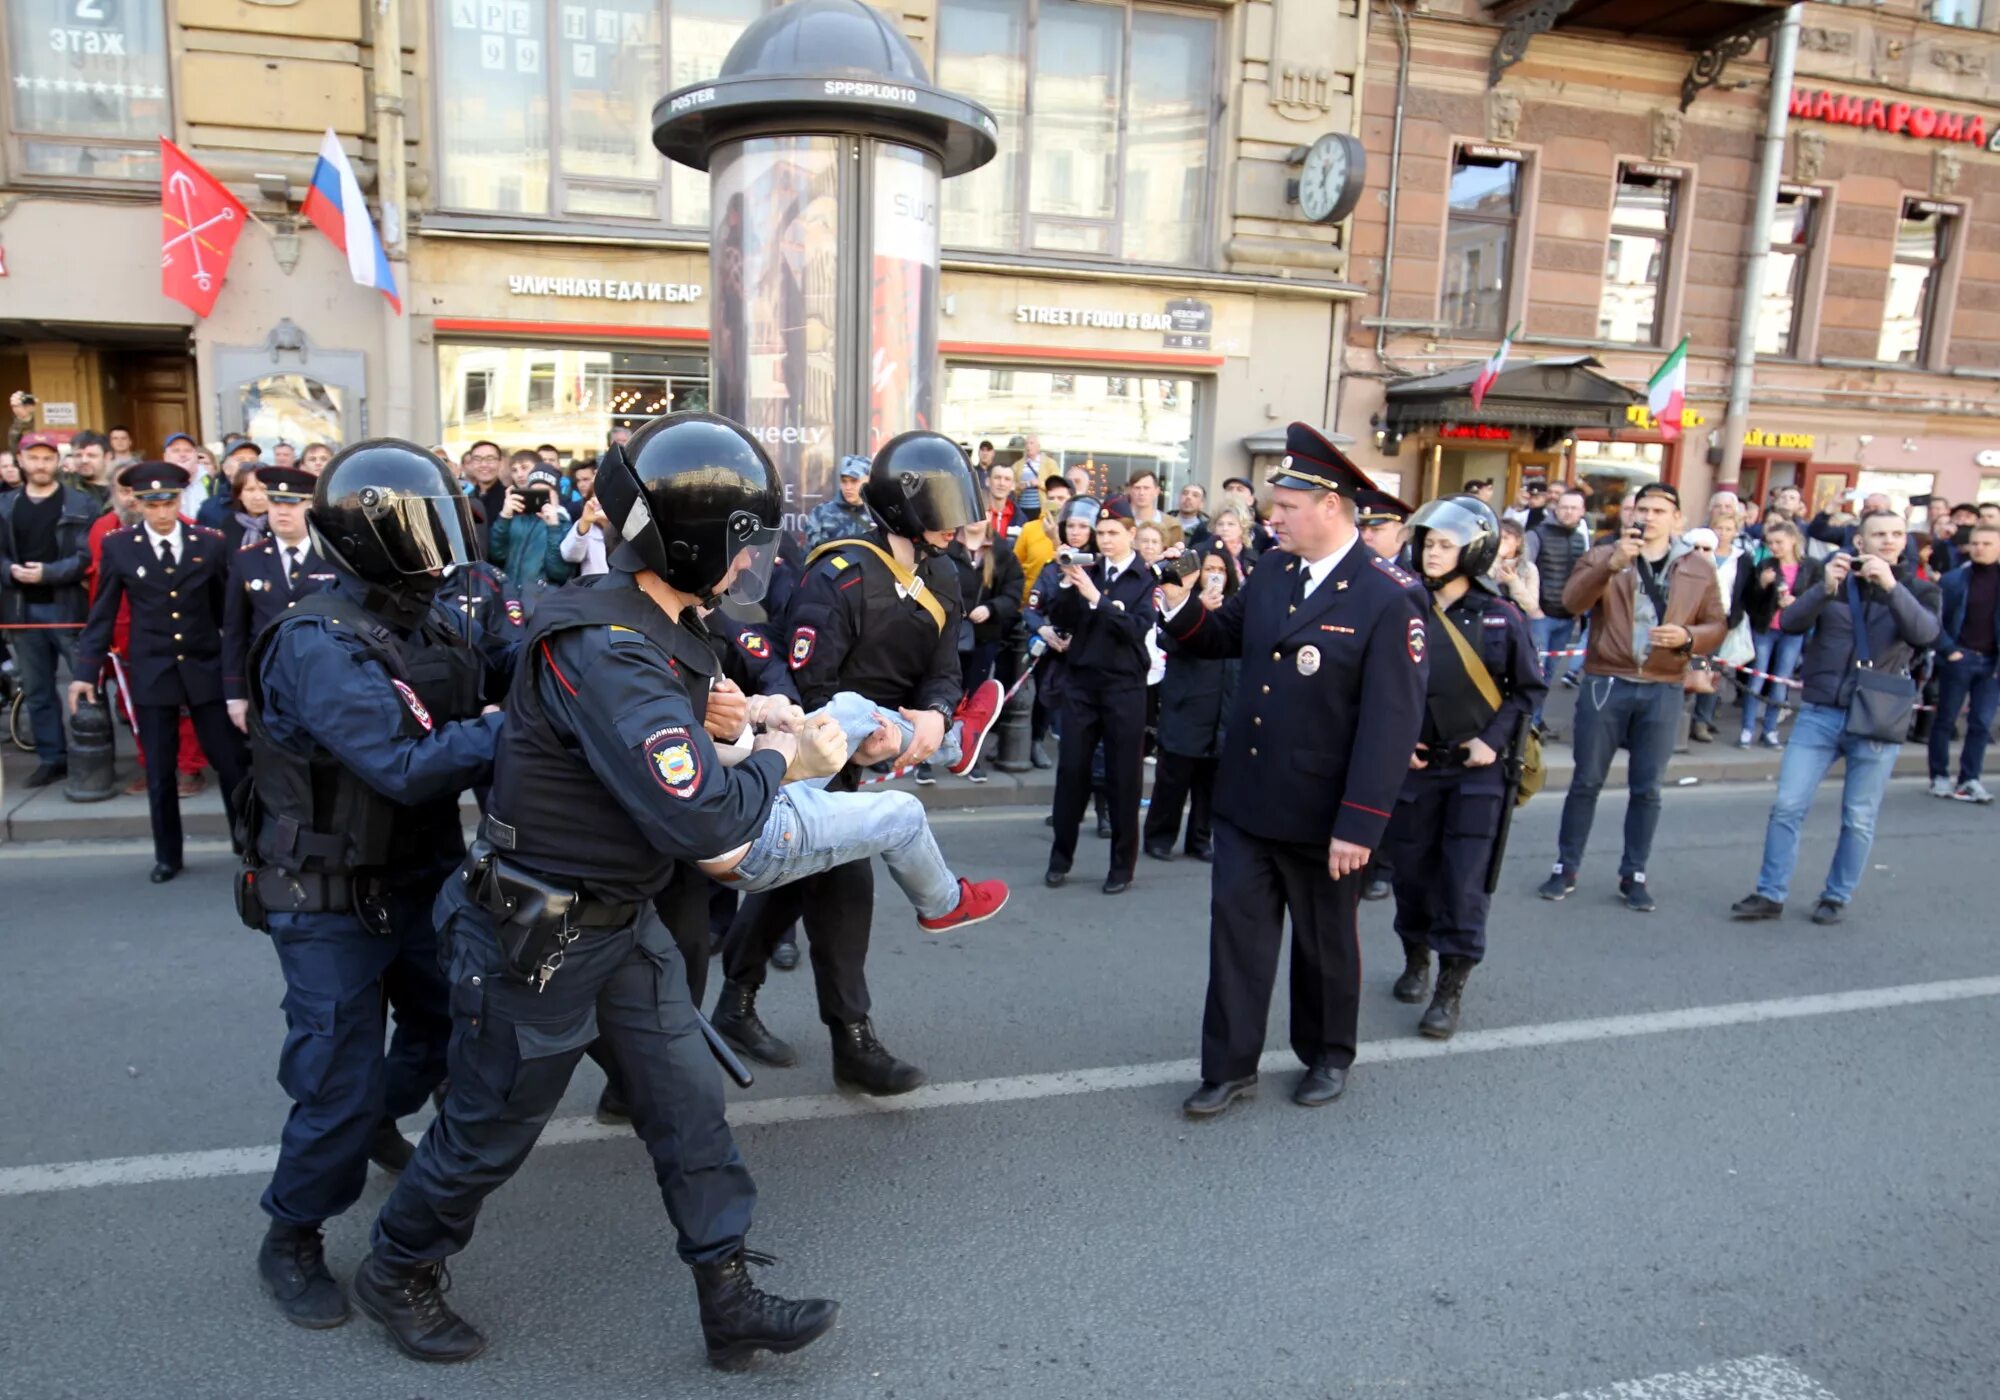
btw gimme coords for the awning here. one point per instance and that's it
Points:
(1541, 396)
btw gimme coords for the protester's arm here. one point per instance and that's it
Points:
(1588, 580)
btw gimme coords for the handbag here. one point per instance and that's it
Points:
(1737, 648)
(1880, 707)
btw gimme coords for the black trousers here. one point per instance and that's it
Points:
(160, 732)
(1256, 884)
(838, 907)
(1440, 843)
(1117, 718)
(1182, 781)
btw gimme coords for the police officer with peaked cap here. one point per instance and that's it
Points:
(877, 614)
(175, 576)
(365, 726)
(1327, 711)
(554, 938)
(1448, 814)
(269, 577)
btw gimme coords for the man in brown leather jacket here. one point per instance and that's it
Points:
(1653, 607)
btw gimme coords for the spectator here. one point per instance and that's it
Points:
(1142, 491)
(241, 457)
(1195, 697)
(1519, 581)
(483, 483)
(1968, 646)
(1553, 549)
(1898, 615)
(183, 451)
(527, 538)
(1232, 540)
(23, 405)
(1035, 546)
(10, 473)
(1480, 490)
(1075, 517)
(44, 557)
(617, 437)
(582, 486)
(283, 454)
(1003, 512)
(89, 467)
(1836, 529)
(1032, 466)
(1989, 512)
(845, 517)
(989, 585)
(1079, 480)
(318, 454)
(1784, 572)
(1192, 513)
(583, 544)
(1733, 577)
(248, 505)
(550, 454)
(123, 451)
(1653, 607)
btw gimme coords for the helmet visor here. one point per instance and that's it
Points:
(1453, 519)
(424, 534)
(754, 557)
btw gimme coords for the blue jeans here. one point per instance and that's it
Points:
(1552, 634)
(36, 651)
(811, 830)
(1972, 677)
(1819, 736)
(1614, 714)
(1778, 655)
(858, 716)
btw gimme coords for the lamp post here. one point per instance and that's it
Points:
(826, 146)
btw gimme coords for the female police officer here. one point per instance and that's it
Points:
(1484, 683)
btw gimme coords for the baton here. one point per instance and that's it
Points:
(724, 1056)
(1514, 763)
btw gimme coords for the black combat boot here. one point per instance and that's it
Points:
(389, 1149)
(738, 1318)
(860, 1061)
(735, 1019)
(292, 1263)
(1441, 1017)
(1416, 978)
(409, 1303)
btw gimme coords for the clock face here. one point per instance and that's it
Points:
(1329, 181)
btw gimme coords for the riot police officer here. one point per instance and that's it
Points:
(554, 937)
(365, 726)
(1326, 715)
(877, 614)
(1485, 683)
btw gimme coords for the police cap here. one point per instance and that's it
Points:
(1311, 463)
(151, 481)
(1374, 507)
(287, 486)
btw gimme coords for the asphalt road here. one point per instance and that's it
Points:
(1805, 1179)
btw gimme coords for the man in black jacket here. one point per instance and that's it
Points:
(44, 556)
(1898, 615)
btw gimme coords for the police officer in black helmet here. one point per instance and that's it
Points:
(554, 940)
(365, 725)
(877, 614)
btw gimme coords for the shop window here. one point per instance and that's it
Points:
(1966, 14)
(1113, 436)
(1923, 242)
(1635, 260)
(1989, 491)
(1610, 469)
(87, 87)
(521, 396)
(1479, 241)
(545, 106)
(1780, 311)
(1112, 155)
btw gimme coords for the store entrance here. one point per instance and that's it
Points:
(87, 376)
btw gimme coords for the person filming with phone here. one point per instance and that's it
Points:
(528, 536)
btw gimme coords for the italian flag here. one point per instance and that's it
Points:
(1666, 392)
(1490, 371)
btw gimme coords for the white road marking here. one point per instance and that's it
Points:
(255, 1161)
(1752, 1378)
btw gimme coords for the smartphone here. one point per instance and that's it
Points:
(537, 497)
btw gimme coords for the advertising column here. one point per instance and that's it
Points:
(902, 330)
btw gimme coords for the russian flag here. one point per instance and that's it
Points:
(334, 203)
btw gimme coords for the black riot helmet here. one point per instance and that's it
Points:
(920, 482)
(391, 514)
(1468, 521)
(691, 494)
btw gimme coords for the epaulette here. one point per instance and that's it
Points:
(1402, 577)
(249, 545)
(205, 530)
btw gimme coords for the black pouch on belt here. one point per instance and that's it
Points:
(531, 914)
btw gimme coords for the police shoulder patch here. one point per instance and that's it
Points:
(1414, 639)
(674, 760)
(803, 641)
(1401, 576)
(754, 642)
(515, 613)
(423, 716)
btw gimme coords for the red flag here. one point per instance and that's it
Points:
(198, 230)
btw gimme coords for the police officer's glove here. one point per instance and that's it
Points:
(822, 750)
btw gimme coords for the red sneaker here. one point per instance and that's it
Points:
(977, 712)
(977, 902)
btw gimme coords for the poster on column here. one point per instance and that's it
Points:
(904, 289)
(773, 253)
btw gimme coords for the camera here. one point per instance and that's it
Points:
(28, 400)
(1179, 569)
(1077, 558)
(537, 497)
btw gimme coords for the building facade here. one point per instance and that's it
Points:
(1131, 279)
(1596, 189)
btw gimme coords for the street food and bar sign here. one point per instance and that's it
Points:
(1640, 417)
(603, 288)
(1910, 119)
(1475, 432)
(1754, 438)
(1183, 324)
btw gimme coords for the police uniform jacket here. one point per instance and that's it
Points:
(1107, 647)
(1329, 701)
(258, 591)
(854, 627)
(1499, 634)
(175, 657)
(751, 657)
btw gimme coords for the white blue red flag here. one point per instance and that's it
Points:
(334, 203)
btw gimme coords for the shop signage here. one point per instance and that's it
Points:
(1183, 324)
(602, 288)
(1493, 153)
(1655, 172)
(1639, 416)
(1477, 432)
(59, 415)
(1765, 438)
(1899, 118)
(1988, 458)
